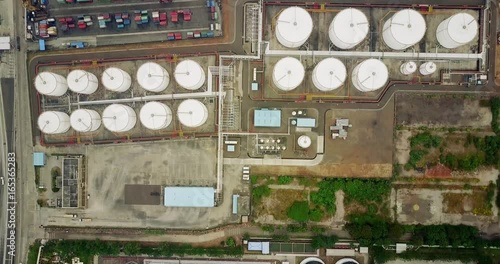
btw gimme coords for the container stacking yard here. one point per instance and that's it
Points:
(103, 103)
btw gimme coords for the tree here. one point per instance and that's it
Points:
(316, 215)
(299, 211)
(230, 242)
(132, 249)
(323, 241)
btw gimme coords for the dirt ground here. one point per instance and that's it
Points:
(466, 203)
(441, 111)
(277, 204)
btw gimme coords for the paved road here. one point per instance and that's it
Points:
(392, 2)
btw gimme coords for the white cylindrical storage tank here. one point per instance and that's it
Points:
(82, 82)
(152, 77)
(293, 27)
(404, 29)
(189, 75)
(288, 73)
(51, 84)
(192, 113)
(348, 28)
(53, 122)
(304, 141)
(408, 67)
(457, 30)
(116, 80)
(329, 74)
(370, 75)
(85, 120)
(155, 115)
(119, 118)
(428, 68)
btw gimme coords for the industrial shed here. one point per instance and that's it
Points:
(267, 118)
(189, 197)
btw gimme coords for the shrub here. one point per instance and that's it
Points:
(323, 241)
(260, 191)
(316, 214)
(415, 156)
(230, 242)
(254, 179)
(268, 228)
(426, 140)
(296, 228)
(285, 179)
(299, 211)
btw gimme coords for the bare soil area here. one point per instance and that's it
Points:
(467, 203)
(277, 204)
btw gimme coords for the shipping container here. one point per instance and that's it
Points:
(210, 34)
(217, 26)
(41, 44)
(197, 35)
(190, 35)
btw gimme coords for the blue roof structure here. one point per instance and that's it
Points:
(255, 86)
(267, 118)
(235, 203)
(263, 247)
(38, 159)
(189, 197)
(306, 122)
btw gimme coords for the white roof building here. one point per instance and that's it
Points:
(329, 74)
(370, 75)
(288, 73)
(116, 80)
(119, 118)
(404, 29)
(348, 28)
(192, 113)
(85, 120)
(457, 30)
(293, 27)
(189, 75)
(82, 82)
(53, 122)
(152, 77)
(155, 115)
(51, 84)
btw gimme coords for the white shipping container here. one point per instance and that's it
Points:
(217, 26)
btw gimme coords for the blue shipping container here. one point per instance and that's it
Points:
(210, 34)
(42, 44)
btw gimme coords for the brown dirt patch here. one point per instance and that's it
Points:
(278, 203)
(462, 203)
(438, 171)
(328, 170)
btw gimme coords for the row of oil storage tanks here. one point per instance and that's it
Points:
(331, 73)
(350, 27)
(150, 76)
(120, 118)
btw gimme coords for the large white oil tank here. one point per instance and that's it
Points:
(348, 28)
(85, 120)
(304, 141)
(370, 75)
(119, 118)
(82, 82)
(53, 122)
(155, 115)
(404, 29)
(457, 30)
(192, 113)
(116, 80)
(428, 68)
(408, 67)
(51, 84)
(189, 75)
(293, 27)
(288, 73)
(329, 74)
(152, 77)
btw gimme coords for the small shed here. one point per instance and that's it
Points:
(267, 117)
(4, 43)
(263, 247)
(39, 159)
(255, 86)
(235, 203)
(306, 122)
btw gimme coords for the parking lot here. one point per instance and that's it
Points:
(126, 23)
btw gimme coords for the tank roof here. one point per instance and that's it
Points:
(288, 73)
(329, 74)
(192, 113)
(293, 26)
(155, 115)
(189, 74)
(349, 27)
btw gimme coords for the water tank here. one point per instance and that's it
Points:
(329, 74)
(408, 67)
(404, 29)
(82, 82)
(85, 120)
(457, 30)
(312, 260)
(116, 80)
(348, 28)
(152, 77)
(192, 113)
(304, 141)
(189, 75)
(288, 73)
(119, 118)
(51, 84)
(370, 75)
(347, 261)
(155, 115)
(53, 122)
(293, 27)
(428, 68)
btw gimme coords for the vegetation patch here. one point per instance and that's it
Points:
(476, 203)
(55, 172)
(277, 202)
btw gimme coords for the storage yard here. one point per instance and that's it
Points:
(314, 101)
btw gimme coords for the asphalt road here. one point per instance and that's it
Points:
(393, 2)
